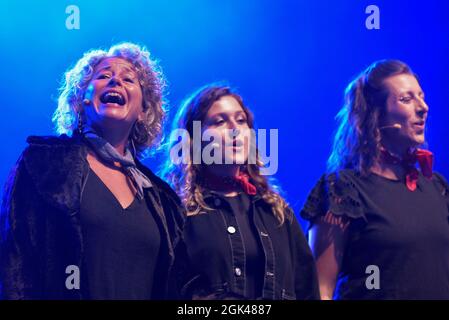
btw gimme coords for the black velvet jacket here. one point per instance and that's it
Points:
(215, 248)
(40, 222)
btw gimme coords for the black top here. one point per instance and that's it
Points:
(254, 267)
(226, 245)
(121, 245)
(404, 234)
(42, 196)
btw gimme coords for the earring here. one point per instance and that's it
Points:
(133, 147)
(80, 123)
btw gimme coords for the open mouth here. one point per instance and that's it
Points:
(113, 97)
(235, 144)
(420, 124)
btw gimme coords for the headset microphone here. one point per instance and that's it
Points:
(394, 126)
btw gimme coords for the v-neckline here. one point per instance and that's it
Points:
(112, 194)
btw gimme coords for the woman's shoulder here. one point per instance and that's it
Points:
(48, 140)
(343, 176)
(440, 178)
(341, 182)
(441, 184)
(50, 169)
(45, 148)
(43, 151)
(336, 192)
(53, 140)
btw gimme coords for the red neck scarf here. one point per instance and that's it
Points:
(408, 162)
(226, 183)
(248, 187)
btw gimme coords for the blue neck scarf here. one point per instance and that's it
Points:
(109, 155)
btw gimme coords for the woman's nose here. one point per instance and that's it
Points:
(422, 107)
(234, 131)
(115, 81)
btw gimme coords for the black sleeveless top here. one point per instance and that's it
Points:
(399, 236)
(121, 245)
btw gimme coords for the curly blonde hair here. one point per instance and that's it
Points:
(147, 131)
(187, 178)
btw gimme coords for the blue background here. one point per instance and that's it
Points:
(291, 61)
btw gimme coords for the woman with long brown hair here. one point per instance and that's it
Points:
(242, 238)
(379, 226)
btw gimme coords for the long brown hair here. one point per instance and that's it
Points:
(357, 141)
(186, 179)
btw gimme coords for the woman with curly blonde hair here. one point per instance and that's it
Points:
(81, 216)
(242, 239)
(378, 224)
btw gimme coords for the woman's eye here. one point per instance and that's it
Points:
(219, 122)
(128, 78)
(405, 99)
(103, 76)
(241, 121)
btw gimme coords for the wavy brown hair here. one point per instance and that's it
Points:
(357, 141)
(187, 179)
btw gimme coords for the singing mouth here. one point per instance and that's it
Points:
(420, 123)
(112, 96)
(419, 126)
(235, 144)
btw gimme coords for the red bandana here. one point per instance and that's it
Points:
(247, 186)
(408, 162)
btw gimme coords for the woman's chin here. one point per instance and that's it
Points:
(238, 159)
(108, 121)
(112, 114)
(419, 140)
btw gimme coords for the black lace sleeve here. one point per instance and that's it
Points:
(335, 193)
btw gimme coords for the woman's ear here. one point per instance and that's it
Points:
(88, 96)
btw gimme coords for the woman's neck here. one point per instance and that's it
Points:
(117, 137)
(221, 178)
(389, 171)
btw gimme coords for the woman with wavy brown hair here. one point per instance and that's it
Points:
(242, 238)
(379, 226)
(82, 218)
